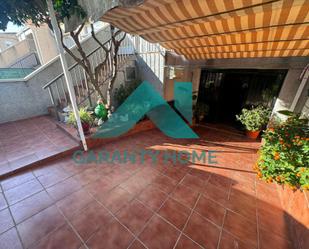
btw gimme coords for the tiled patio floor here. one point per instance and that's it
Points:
(61, 205)
(26, 141)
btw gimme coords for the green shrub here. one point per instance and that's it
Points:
(284, 156)
(85, 117)
(255, 118)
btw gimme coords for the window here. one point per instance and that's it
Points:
(130, 73)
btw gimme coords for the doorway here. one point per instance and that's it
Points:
(227, 91)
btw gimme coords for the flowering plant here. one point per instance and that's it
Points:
(255, 118)
(284, 156)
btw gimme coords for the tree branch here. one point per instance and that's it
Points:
(97, 40)
(78, 60)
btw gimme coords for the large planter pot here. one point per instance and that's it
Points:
(252, 134)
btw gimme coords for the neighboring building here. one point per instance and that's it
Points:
(7, 40)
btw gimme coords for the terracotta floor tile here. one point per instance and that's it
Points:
(100, 187)
(185, 195)
(243, 228)
(63, 189)
(10, 240)
(6, 221)
(270, 240)
(216, 194)
(228, 241)
(115, 199)
(74, 202)
(222, 182)
(174, 173)
(87, 176)
(152, 197)
(210, 210)
(147, 174)
(90, 219)
(48, 180)
(30, 206)
(201, 173)
(164, 183)
(137, 245)
(4, 168)
(114, 236)
(23, 161)
(3, 203)
(52, 168)
(23, 191)
(243, 204)
(244, 186)
(134, 216)
(159, 234)
(175, 213)
(16, 180)
(268, 194)
(193, 182)
(62, 238)
(39, 225)
(227, 186)
(186, 243)
(275, 221)
(202, 231)
(135, 185)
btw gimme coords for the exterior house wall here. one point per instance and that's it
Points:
(288, 90)
(150, 63)
(16, 52)
(25, 99)
(45, 42)
(181, 74)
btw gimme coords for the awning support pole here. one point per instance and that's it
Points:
(67, 75)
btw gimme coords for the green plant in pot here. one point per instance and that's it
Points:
(85, 118)
(201, 110)
(254, 120)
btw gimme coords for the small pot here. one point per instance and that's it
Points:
(253, 134)
(86, 128)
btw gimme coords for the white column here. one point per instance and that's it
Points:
(300, 88)
(67, 75)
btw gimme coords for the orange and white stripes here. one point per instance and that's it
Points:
(202, 29)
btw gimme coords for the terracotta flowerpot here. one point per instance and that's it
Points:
(253, 134)
(86, 128)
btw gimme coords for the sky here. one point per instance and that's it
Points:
(13, 28)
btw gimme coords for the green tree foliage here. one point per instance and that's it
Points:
(21, 11)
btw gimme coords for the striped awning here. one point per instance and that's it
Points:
(209, 29)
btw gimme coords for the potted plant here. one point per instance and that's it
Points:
(201, 111)
(254, 119)
(85, 118)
